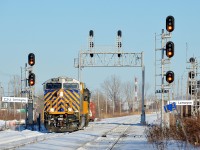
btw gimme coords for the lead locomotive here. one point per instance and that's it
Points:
(66, 104)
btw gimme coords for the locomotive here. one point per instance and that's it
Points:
(66, 104)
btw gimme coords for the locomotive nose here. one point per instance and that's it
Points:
(61, 94)
(58, 94)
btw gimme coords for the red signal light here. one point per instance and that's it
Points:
(170, 23)
(169, 49)
(31, 79)
(170, 76)
(31, 59)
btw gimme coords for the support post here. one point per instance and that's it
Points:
(143, 109)
(162, 78)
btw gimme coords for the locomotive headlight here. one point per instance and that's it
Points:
(70, 109)
(52, 110)
(61, 94)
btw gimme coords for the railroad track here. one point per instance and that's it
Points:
(122, 134)
(109, 139)
(106, 134)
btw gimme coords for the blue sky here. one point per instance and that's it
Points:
(55, 31)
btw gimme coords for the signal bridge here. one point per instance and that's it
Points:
(108, 59)
(110, 56)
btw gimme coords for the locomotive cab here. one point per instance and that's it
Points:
(64, 105)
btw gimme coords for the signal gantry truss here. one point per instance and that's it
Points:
(108, 59)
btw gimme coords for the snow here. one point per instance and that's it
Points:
(2, 124)
(98, 135)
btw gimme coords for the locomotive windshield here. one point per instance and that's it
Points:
(53, 86)
(70, 86)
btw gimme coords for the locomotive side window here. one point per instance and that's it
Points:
(70, 86)
(53, 86)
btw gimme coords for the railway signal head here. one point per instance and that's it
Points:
(169, 49)
(91, 33)
(191, 90)
(31, 59)
(91, 54)
(119, 55)
(31, 79)
(192, 60)
(170, 23)
(191, 74)
(119, 33)
(170, 76)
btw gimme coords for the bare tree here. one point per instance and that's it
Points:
(15, 90)
(129, 94)
(100, 102)
(112, 86)
(39, 99)
(15, 85)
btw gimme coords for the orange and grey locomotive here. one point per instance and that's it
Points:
(66, 104)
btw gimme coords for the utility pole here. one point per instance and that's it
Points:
(99, 111)
(120, 109)
(114, 104)
(136, 94)
(21, 82)
(14, 96)
(106, 103)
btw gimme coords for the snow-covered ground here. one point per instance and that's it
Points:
(121, 133)
(2, 124)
